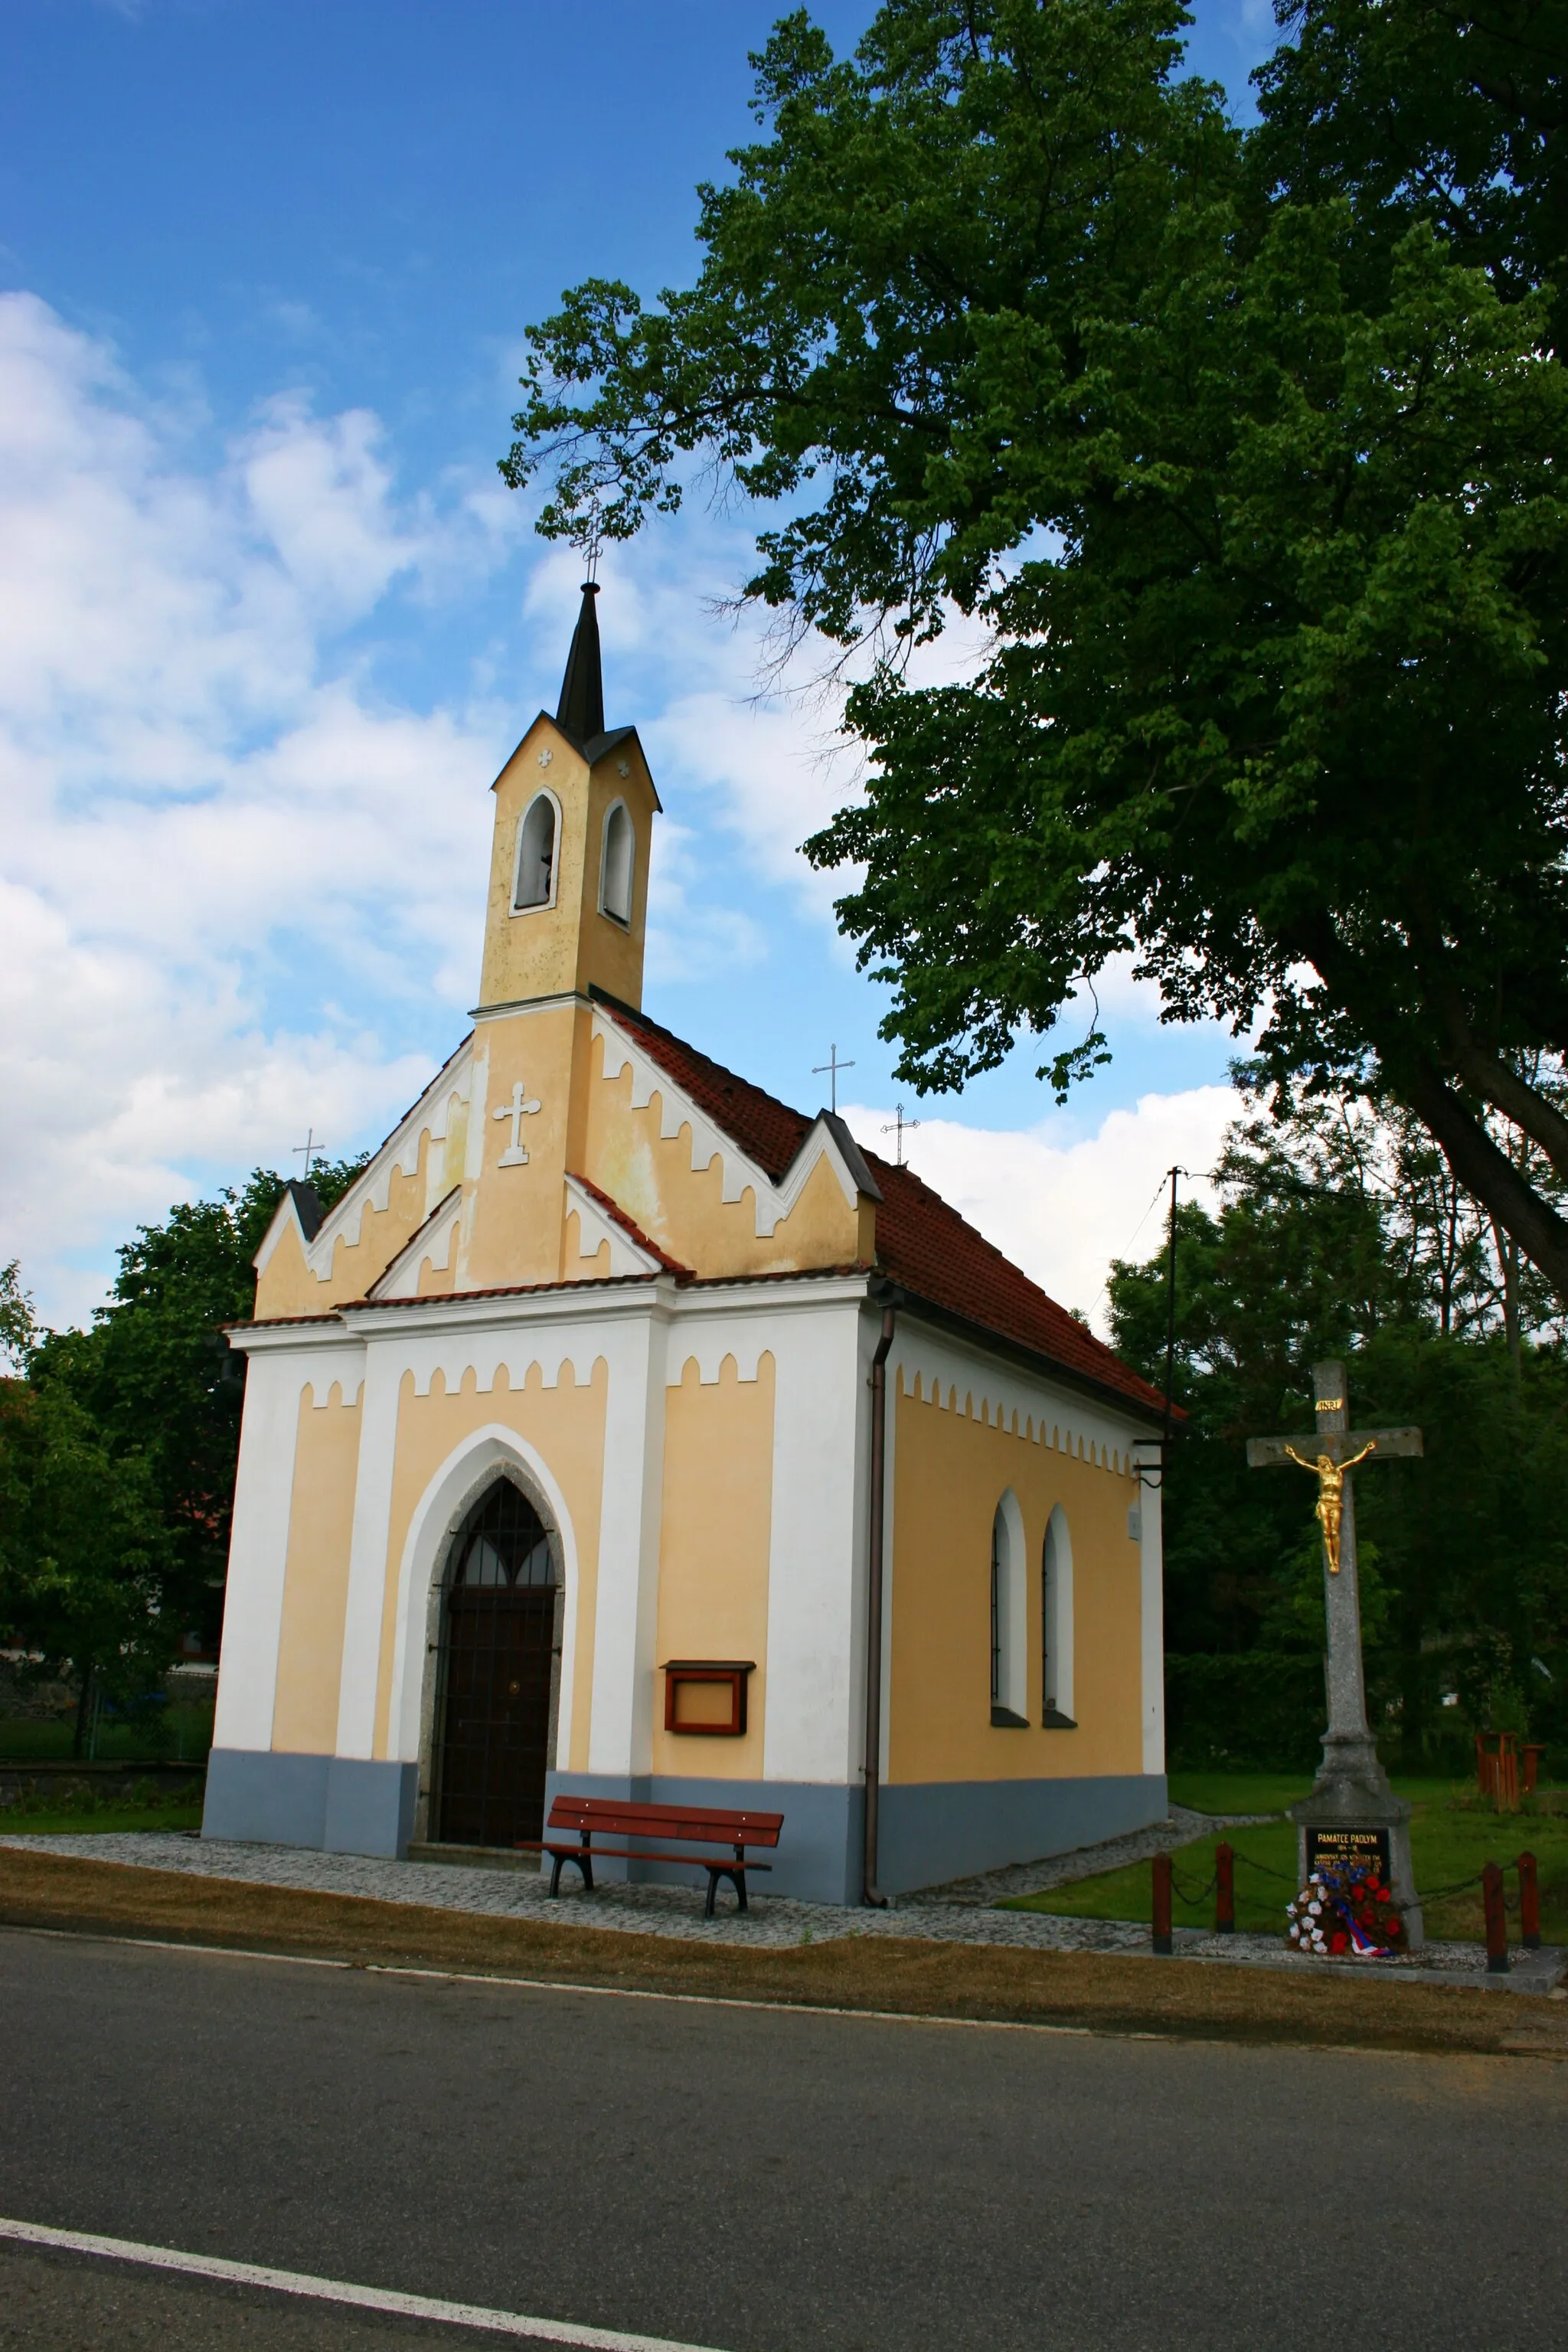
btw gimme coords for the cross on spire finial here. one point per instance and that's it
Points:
(830, 1070)
(311, 1150)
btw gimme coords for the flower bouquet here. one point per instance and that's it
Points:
(1345, 1913)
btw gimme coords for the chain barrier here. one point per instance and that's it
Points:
(1460, 1886)
(1289, 1878)
(1202, 1894)
(1286, 1877)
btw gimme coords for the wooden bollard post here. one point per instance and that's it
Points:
(1223, 1891)
(1162, 1942)
(1529, 1904)
(1497, 1921)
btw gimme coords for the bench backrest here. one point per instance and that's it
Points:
(688, 1824)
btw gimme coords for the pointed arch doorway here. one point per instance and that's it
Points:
(499, 1646)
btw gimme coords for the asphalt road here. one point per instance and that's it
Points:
(749, 2179)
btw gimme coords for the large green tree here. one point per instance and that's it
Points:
(118, 1444)
(1252, 451)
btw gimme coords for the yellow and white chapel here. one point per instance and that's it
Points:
(623, 1432)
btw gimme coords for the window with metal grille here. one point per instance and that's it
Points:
(499, 1643)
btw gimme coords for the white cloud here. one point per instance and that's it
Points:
(1062, 1205)
(206, 802)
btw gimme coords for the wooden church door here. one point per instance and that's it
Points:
(497, 1640)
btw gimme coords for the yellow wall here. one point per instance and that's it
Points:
(565, 1425)
(950, 1470)
(552, 951)
(713, 1553)
(316, 1578)
(684, 1209)
(286, 1285)
(516, 1214)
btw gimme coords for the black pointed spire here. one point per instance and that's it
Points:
(581, 712)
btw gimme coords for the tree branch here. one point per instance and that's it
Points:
(1508, 1092)
(1489, 1173)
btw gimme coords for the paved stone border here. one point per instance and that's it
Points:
(1087, 1860)
(677, 1911)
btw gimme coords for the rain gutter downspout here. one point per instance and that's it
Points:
(870, 1892)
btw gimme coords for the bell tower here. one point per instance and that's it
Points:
(574, 827)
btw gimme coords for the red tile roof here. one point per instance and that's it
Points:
(922, 1244)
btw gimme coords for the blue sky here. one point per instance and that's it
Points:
(268, 620)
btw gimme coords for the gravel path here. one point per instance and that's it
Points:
(677, 1911)
(1087, 1862)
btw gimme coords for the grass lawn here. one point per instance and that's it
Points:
(1101, 1992)
(135, 1805)
(1448, 1841)
(185, 1740)
(59, 1822)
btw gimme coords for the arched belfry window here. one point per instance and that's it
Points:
(538, 836)
(1009, 1660)
(499, 1646)
(619, 861)
(1055, 1624)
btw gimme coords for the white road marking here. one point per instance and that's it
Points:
(323, 2290)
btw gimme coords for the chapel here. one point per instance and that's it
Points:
(624, 1431)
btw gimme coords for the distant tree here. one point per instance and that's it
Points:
(1324, 1247)
(1250, 448)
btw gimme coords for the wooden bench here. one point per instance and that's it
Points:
(593, 1817)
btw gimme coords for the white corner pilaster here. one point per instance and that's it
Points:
(258, 1553)
(815, 1726)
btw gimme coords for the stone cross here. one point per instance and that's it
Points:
(517, 1110)
(1350, 1804)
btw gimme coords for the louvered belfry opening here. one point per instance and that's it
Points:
(498, 1646)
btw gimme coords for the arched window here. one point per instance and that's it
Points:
(1009, 1672)
(500, 1640)
(615, 871)
(534, 882)
(1056, 1624)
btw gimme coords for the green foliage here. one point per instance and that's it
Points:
(86, 1556)
(1249, 448)
(1325, 1247)
(118, 1445)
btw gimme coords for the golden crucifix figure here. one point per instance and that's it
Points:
(1330, 1477)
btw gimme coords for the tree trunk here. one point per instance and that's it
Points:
(83, 1703)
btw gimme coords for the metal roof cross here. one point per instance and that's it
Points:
(830, 1070)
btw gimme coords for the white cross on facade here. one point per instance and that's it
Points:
(517, 1110)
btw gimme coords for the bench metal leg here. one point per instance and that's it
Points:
(584, 1863)
(737, 1877)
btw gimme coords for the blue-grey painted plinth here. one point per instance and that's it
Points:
(930, 1832)
(343, 1804)
(936, 1831)
(818, 1856)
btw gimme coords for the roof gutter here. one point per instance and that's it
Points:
(874, 1546)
